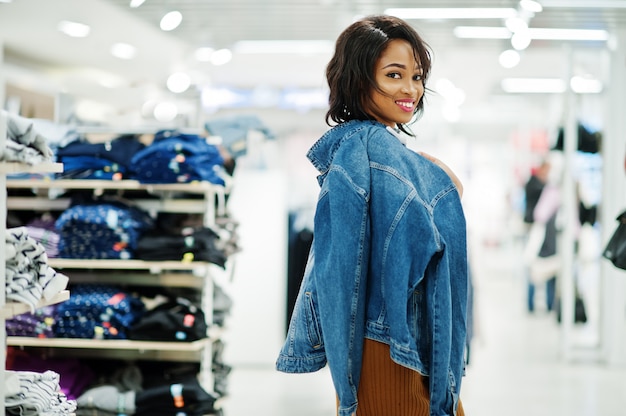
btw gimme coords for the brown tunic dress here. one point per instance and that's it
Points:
(389, 389)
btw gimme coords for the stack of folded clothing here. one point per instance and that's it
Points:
(183, 398)
(75, 375)
(32, 393)
(24, 144)
(101, 230)
(98, 311)
(108, 160)
(168, 399)
(43, 230)
(39, 324)
(29, 278)
(177, 319)
(189, 244)
(175, 157)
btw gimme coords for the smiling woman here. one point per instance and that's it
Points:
(388, 225)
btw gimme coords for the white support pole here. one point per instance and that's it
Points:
(568, 210)
(613, 280)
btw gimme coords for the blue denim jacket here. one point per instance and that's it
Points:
(388, 262)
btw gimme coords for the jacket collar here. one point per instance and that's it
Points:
(323, 151)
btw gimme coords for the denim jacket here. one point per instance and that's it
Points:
(388, 263)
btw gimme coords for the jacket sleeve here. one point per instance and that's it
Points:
(341, 265)
(448, 281)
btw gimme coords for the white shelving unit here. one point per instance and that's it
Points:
(10, 309)
(203, 198)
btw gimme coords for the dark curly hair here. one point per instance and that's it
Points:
(350, 72)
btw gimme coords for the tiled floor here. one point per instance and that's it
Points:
(515, 366)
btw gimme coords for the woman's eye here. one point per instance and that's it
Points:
(394, 75)
(417, 77)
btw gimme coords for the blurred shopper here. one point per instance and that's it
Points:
(384, 297)
(541, 238)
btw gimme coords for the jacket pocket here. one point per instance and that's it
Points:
(419, 324)
(312, 321)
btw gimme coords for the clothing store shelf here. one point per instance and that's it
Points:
(155, 267)
(147, 279)
(116, 348)
(17, 167)
(38, 203)
(199, 187)
(12, 309)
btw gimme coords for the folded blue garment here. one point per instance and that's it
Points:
(174, 157)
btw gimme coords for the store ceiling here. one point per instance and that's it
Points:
(37, 55)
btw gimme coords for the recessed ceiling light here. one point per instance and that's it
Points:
(509, 58)
(521, 40)
(123, 51)
(531, 6)
(204, 54)
(74, 29)
(221, 57)
(171, 20)
(178, 82)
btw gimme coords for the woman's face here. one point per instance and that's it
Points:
(399, 77)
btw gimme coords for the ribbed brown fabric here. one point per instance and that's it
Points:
(389, 389)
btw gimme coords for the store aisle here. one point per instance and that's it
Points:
(515, 365)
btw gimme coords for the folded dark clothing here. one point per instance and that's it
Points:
(197, 244)
(119, 150)
(187, 397)
(176, 320)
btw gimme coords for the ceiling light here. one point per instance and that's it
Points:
(221, 57)
(595, 4)
(123, 51)
(203, 54)
(178, 82)
(171, 21)
(531, 6)
(585, 85)
(520, 40)
(165, 111)
(568, 34)
(516, 24)
(533, 85)
(481, 32)
(284, 46)
(489, 32)
(136, 3)
(509, 58)
(74, 29)
(452, 13)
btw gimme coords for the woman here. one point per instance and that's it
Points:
(384, 297)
